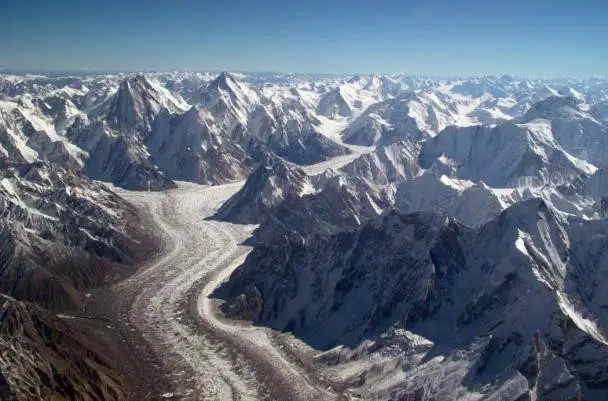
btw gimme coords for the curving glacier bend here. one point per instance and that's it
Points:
(170, 302)
(206, 356)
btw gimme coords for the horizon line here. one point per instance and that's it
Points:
(58, 72)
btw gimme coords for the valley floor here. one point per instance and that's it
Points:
(164, 309)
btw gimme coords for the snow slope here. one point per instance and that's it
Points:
(420, 306)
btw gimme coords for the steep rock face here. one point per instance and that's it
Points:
(284, 125)
(335, 103)
(62, 235)
(262, 123)
(553, 106)
(409, 115)
(13, 146)
(342, 199)
(471, 204)
(228, 101)
(596, 185)
(267, 186)
(347, 299)
(503, 156)
(387, 164)
(574, 129)
(26, 136)
(508, 308)
(60, 109)
(138, 100)
(298, 206)
(189, 85)
(140, 139)
(114, 134)
(189, 147)
(288, 129)
(342, 203)
(601, 207)
(386, 122)
(118, 159)
(43, 358)
(306, 147)
(599, 111)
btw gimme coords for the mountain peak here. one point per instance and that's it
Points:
(225, 81)
(552, 107)
(568, 91)
(527, 215)
(335, 103)
(140, 76)
(528, 210)
(273, 166)
(228, 100)
(266, 187)
(226, 75)
(138, 100)
(137, 82)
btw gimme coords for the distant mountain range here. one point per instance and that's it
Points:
(435, 238)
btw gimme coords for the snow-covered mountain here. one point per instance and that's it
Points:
(408, 115)
(142, 137)
(340, 203)
(422, 305)
(132, 109)
(600, 111)
(483, 290)
(573, 128)
(26, 135)
(109, 117)
(384, 122)
(228, 100)
(336, 103)
(325, 203)
(288, 128)
(387, 164)
(115, 131)
(448, 245)
(268, 185)
(507, 155)
(596, 185)
(62, 234)
(190, 147)
(471, 204)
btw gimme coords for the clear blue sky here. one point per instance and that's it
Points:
(430, 37)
